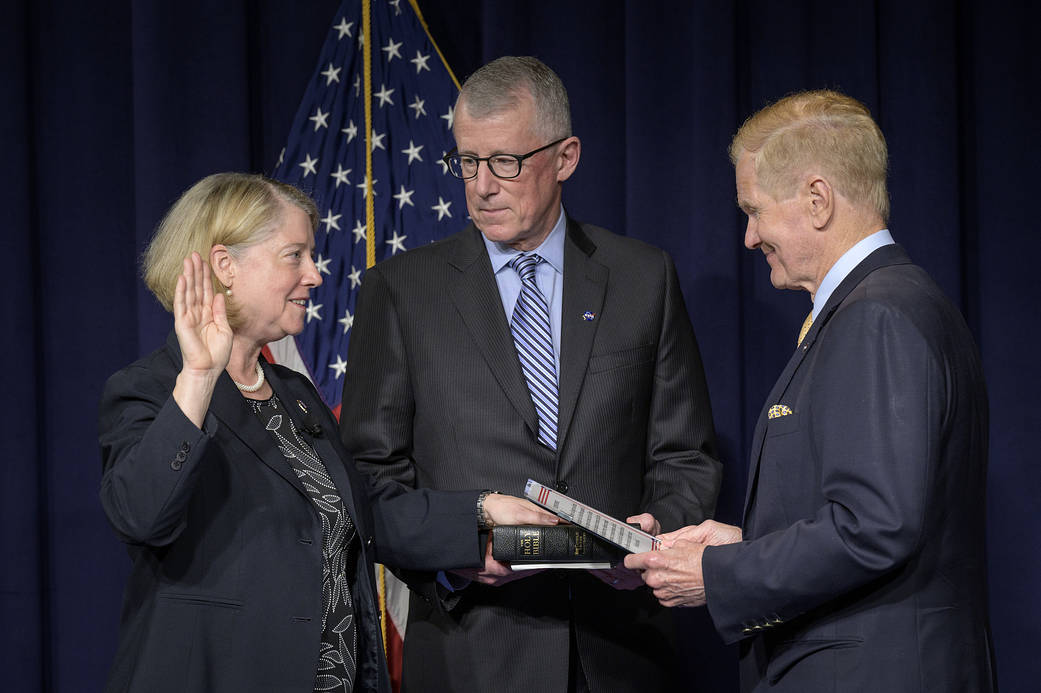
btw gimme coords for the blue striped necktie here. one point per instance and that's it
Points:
(534, 342)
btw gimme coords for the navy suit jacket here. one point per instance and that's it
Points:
(225, 589)
(863, 565)
(434, 397)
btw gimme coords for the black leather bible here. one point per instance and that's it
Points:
(552, 546)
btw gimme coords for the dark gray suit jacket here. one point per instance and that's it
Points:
(434, 397)
(225, 590)
(863, 565)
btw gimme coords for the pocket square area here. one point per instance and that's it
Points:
(779, 410)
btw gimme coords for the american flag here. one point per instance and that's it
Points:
(415, 199)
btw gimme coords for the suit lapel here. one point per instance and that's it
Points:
(476, 297)
(238, 420)
(226, 404)
(882, 257)
(305, 409)
(762, 424)
(585, 283)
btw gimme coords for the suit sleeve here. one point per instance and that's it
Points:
(682, 471)
(424, 530)
(378, 404)
(876, 409)
(377, 410)
(150, 455)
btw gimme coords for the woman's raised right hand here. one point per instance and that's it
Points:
(203, 333)
(201, 320)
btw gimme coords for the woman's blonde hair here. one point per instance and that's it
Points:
(236, 210)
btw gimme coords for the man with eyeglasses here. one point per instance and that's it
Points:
(530, 345)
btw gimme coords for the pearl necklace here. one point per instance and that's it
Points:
(255, 386)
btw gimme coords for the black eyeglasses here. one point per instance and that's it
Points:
(501, 165)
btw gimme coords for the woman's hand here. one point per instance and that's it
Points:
(200, 320)
(203, 333)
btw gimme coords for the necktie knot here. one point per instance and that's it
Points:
(524, 265)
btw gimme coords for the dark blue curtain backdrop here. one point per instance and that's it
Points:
(110, 109)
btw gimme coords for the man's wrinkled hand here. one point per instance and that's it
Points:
(646, 521)
(673, 574)
(709, 532)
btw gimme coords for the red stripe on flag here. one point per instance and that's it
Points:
(395, 653)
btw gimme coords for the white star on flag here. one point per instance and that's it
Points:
(384, 95)
(341, 175)
(377, 140)
(355, 277)
(396, 243)
(308, 165)
(331, 74)
(404, 197)
(339, 367)
(417, 106)
(312, 310)
(347, 321)
(322, 265)
(392, 49)
(359, 231)
(365, 184)
(331, 221)
(320, 120)
(442, 208)
(412, 152)
(351, 131)
(344, 27)
(420, 61)
(450, 116)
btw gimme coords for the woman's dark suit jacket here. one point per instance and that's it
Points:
(225, 589)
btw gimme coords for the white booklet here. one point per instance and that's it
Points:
(602, 525)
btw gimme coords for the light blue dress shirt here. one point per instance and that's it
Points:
(549, 276)
(845, 264)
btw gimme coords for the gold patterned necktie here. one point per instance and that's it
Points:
(805, 328)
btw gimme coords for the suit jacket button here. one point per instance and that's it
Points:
(181, 456)
(176, 465)
(185, 447)
(562, 487)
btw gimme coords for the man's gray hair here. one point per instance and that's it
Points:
(500, 85)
